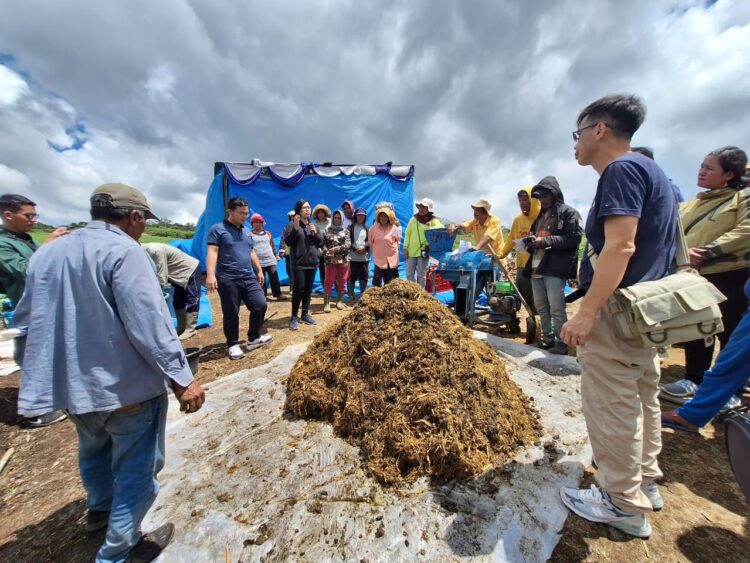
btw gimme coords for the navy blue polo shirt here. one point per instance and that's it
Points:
(635, 186)
(235, 246)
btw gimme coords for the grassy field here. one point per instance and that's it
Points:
(40, 236)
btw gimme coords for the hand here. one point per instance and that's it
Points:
(361, 250)
(56, 234)
(537, 243)
(211, 283)
(452, 229)
(261, 279)
(191, 398)
(406, 253)
(697, 257)
(577, 330)
(313, 230)
(296, 221)
(277, 257)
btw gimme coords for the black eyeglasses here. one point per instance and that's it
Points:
(577, 134)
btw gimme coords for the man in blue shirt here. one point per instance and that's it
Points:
(631, 227)
(646, 151)
(233, 268)
(101, 344)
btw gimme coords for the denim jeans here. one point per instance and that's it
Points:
(418, 264)
(728, 374)
(119, 456)
(549, 300)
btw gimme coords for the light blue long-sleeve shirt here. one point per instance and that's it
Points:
(99, 332)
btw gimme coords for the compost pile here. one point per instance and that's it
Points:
(402, 378)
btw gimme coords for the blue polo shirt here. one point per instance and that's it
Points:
(634, 185)
(235, 247)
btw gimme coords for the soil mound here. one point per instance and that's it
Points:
(402, 378)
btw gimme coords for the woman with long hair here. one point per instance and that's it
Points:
(717, 232)
(304, 240)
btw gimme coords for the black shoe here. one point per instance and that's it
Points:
(151, 545)
(559, 348)
(544, 344)
(96, 520)
(44, 419)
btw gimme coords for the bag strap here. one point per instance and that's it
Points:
(711, 212)
(681, 256)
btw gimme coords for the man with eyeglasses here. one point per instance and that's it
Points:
(16, 247)
(631, 227)
(100, 343)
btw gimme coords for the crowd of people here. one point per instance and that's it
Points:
(99, 344)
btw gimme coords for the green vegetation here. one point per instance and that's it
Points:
(163, 231)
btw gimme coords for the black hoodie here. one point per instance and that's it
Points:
(561, 246)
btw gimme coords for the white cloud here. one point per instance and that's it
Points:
(12, 87)
(481, 96)
(13, 181)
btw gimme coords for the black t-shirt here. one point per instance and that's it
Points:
(635, 186)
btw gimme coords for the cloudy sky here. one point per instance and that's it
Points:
(480, 95)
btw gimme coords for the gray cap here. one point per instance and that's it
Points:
(123, 197)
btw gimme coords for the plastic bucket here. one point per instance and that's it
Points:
(193, 357)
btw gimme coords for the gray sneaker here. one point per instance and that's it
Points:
(678, 392)
(651, 490)
(594, 505)
(262, 340)
(733, 402)
(44, 419)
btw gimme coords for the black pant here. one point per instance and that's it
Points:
(698, 357)
(272, 279)
(249, 292)
(304, 279)
(383, 276)
(289, 272)
(358, 271)
(189, 297)
(523, 283)
(322, 270)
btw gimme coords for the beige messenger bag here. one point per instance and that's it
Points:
(680, 307)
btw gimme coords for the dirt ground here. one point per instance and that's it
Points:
(42, 502)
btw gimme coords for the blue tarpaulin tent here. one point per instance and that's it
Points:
(272, 189)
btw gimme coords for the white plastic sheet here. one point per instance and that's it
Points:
(242, 473)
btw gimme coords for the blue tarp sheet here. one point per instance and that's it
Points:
(272, 200)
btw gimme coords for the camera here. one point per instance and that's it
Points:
(425, 251)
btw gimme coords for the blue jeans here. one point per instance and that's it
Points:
(730, 372)
(418, 264)
(549, 301)
(119, 456)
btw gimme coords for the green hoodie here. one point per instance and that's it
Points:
(15, 251)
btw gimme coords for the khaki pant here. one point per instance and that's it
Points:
(619, 390)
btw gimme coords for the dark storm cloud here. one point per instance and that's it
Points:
(480, 95)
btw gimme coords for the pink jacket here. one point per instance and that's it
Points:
(384, 243)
